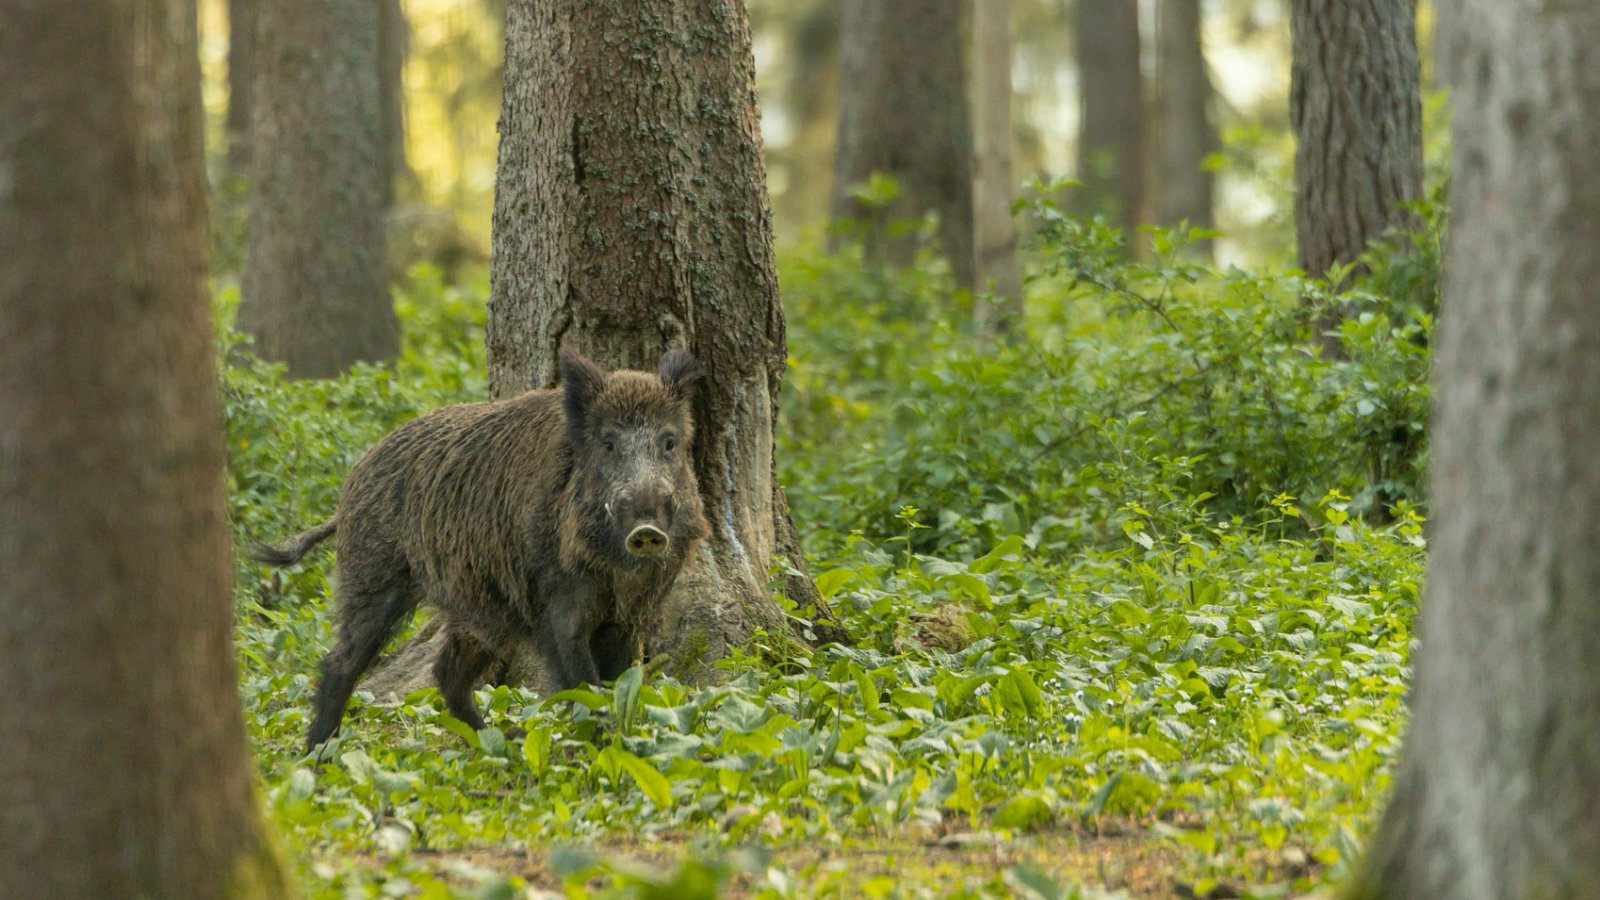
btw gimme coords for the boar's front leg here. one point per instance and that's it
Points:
(570, 619)
(458, 668)
(614, 646)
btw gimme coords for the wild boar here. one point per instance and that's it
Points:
(555, 520)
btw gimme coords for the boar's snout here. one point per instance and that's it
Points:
(647, 541)
(648, 518)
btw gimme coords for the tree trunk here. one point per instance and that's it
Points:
(1356, 107)
(1111, 146)
(903, 112)
(1495, 795)
(994, 233)
(1183, 105)
(123, 765)
(315, 293)
(631, 216)
(241, 80)
(394, 40)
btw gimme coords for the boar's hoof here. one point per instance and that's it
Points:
(647, 541)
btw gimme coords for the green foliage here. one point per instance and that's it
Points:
(1157, 568)
(290, 443)
(1162, 386)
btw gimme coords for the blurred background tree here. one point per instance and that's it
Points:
(1185, 127)
(903, 113)
(322, 160)
(1235, 130)
(1112, 130)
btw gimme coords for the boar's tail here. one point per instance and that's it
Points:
(290, 551)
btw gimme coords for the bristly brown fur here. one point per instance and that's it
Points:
(505, 517)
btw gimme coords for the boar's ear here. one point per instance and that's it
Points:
(679, 372)
(581, 381)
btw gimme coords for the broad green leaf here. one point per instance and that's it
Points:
(828, 583)
(867, 690)
(651, 781)
(460, 729)
(1129, 613)
(584, 696)
(536, 749)
(1018, 694)
(625, 698)
(1024, 811)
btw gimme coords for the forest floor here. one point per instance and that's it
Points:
(1122, 860)
(1124, 621)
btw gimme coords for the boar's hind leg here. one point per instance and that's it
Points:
(459, 667)
(366, 619)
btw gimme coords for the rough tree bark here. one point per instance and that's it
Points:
(1111, 145)
(241, 78)
(315, 292)
(903, 112)
(631, 216)
(1495, 795)
(994, 233)
(1356, 106)
(1184, 187)
(123, 765)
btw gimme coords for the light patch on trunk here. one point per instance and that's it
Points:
(728, 487)
(747, 474)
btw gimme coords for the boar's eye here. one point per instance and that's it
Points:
(610, 444)
(669, 443)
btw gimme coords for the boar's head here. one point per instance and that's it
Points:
(632, 437)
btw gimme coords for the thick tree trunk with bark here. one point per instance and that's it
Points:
(1496, 791)
(903, 112)
(315, 291)
(994, 233)
(241, 80)
(1184, 187)
(1356, 105)
(1111, 145)
(631, 216)
(123, 765)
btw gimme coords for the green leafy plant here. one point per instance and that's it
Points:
(1154, 572)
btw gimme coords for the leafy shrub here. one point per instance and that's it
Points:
(1130, 573)
(1145, 384)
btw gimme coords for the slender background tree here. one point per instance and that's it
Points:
(1185, 134)
(241, 80)
(1356, 104)
(903, 112)
(315, 282)
(394, 42)
(1111, 142)
(994, 233)
(1495, 795)
(123, 765)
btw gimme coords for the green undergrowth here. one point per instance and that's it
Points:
(1145, 580)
